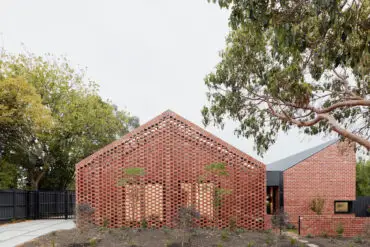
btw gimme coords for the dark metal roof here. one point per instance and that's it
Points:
(286, 163)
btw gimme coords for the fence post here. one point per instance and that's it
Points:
(27, 204)
(14, 206)
(37, 214)
(299, 225)
(66, 204)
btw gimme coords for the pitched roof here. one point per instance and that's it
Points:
(203, 136)
(286, 163)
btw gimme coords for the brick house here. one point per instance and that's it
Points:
(173, 153)
(327, 171)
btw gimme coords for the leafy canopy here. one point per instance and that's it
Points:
(294, 63)
(64, 117)
(363, 178)
(21, 112)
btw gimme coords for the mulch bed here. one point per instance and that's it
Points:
(173, 238)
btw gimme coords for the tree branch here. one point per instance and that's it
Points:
(322, 116)
(343, 132)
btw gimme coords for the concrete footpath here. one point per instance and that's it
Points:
(18, 233)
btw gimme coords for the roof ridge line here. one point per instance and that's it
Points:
(309, 154)
(157, 119)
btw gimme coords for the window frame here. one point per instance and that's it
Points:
(350, 206)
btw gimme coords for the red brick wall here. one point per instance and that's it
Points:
(173, 153)
(329, 174)
(317, 225)
(268, 223)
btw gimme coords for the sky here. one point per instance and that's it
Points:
(147, 56)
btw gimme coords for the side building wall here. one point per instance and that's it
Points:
(329, 174)
(329, 225)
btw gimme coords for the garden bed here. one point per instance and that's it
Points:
(173, 238)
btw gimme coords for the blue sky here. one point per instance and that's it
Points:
(147, 56)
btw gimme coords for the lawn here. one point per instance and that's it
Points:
(173, 238)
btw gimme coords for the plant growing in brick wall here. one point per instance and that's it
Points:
(130, 180)
(216, 171)
(317, 205)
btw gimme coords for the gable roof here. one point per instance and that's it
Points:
(288, 162)
(153, 125)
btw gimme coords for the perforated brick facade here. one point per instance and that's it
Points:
(329, 174)
(173, 153)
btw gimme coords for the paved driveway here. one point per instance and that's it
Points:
(18, 233)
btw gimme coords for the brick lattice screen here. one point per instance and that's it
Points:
(173, 152)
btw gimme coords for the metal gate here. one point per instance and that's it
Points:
(20, 204)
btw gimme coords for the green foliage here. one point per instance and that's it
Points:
(324, 234)
(317, 205)
(131, 175)
(93, 242)
(134, 171)
(250, 244)
(363, 178)
(144, 223)
(225, 235)
(293, 63)
(53, 118)
(232, 224)
(8, 175)
(339, 229)
(218, 169)
(105, 223)
(358, 240)
(293, 241)
(220, 193)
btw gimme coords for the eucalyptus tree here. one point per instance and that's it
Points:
(294, 63)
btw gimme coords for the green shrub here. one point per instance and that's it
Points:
(92, 242)
(358, 240)
(309, 235)
(105, 223)
(250, 244)
(232, 224)
(144, 224)
(317, 205)
(293, 242)
(225, 235)
(340, 229)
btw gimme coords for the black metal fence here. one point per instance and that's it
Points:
(361, 206)
(20, 204)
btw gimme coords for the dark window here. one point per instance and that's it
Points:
(342, 207)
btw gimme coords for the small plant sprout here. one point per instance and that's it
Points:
(293, 242)
(225, 235)
(340, 229)
(250, 244)
(92, 242)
